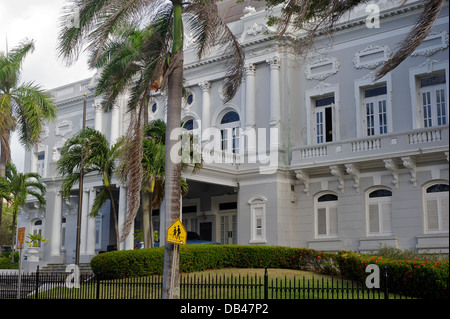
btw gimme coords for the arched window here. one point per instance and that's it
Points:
(326, 215)
(378, 212)
(189, 125)
(436, 207)
(229, 132)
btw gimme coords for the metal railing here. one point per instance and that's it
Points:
(42, 285)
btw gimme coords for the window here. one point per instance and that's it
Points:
(63, 232)
(36, 227)
(326, 216)
(378, 212)
(229, 132)
(375, 103)
(40, 164)
(433, 100)
(324, 119)
(258, 220)
(436, 207)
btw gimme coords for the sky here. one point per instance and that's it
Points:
(38, 20)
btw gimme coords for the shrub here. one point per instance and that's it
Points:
(143, 262)
(413, 277)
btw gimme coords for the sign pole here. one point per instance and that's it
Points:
(20, 240)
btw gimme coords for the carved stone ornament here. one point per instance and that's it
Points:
(63, 128)
(392, 166)
(372, 56)
(304, 178)
(322, 68)
(338, 172)
(429, 50)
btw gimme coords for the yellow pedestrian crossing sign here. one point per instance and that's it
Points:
(176, 233)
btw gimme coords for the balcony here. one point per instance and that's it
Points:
(417, 142)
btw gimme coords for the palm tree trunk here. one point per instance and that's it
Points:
(13, 229)
(171, 278)
(116, 224)
(4, 157)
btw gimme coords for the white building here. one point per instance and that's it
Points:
(355, 163)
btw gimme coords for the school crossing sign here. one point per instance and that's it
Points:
(176, 233)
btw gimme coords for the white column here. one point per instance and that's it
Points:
(98, 117)
(122, 212)
(250, 98)
(90, 247)
(206, 105)
(114, 134)
(56, 226)
(274, 90)
(84, 219)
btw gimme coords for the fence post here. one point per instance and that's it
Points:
(98, 286)
(386, 291)
(266, 283)
(37, 282)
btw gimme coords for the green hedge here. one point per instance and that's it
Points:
(402, 274)
(142, 262)
(410, 276)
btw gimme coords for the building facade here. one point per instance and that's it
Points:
(311, 152)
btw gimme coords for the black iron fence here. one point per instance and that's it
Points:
(42, 285)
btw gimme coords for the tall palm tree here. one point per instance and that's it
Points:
(99, 157)
(24, 107)
(19, 186)
(99, 22)
(314, 15)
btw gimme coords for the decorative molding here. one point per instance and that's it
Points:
(321, 72)
(304, 178)
(250, 69)
(338, 172)
(429, 65)
(256, 28)
(63, 128)
(410, 164)
(205, 86)
(274, 63)
(432, 49)
(446, 155)
(392, 166)
(353, 170)
(376, 61)
(45, 132)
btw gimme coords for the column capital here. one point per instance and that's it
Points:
(205, 86)
(250, 69)
(274, 63)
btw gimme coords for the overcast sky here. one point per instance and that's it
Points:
(38, 20)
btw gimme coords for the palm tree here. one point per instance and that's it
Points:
(313, 15)
(23, 106)
(99, 157)
(153, 166)
(99, 22)
(19, 186)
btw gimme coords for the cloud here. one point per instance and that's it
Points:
(38, 20)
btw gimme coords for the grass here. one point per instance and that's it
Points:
(222, 284)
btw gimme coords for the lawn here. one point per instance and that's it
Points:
(222, 284)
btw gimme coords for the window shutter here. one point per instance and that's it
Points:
(322, 221)
(432, 214)
(374, 219)
(444, 212)
(386, 207)
(333, 220)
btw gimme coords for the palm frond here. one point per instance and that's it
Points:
(100, 199)
(209, 30)
(418, 33)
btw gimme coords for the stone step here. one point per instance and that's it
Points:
(84, 268)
